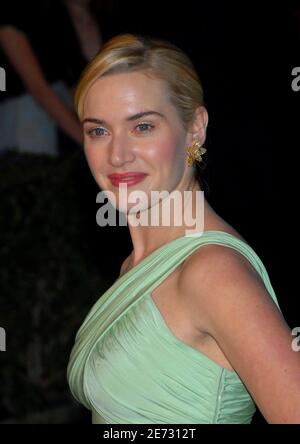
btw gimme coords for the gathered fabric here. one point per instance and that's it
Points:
(126, 365)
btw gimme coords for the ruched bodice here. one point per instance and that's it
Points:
(127, 366)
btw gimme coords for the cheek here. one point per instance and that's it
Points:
(167, 151)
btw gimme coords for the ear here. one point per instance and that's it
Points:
(197, 129)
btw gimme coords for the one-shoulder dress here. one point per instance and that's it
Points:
(126, 365)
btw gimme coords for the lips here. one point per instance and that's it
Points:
(126, 176)
(129, 178)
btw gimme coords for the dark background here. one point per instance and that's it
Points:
(244, 53)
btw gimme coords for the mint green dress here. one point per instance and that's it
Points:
(126, 365)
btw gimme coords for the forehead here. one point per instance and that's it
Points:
(128, 91)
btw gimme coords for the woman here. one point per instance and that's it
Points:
(42, 67)
(191, 332)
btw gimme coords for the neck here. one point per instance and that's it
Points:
(196, 215)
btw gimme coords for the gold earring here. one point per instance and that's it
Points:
(195, 152)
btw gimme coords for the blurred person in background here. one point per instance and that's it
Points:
(44, 47)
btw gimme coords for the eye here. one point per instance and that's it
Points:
(146, 126)
(95, 132)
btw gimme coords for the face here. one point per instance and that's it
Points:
(118, 140)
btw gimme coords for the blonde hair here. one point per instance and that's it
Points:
(155, 58)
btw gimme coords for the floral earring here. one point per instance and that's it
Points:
(195, 153)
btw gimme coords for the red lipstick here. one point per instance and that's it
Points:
(130, 178)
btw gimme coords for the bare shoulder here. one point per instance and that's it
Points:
(215, 261)
(219, 279)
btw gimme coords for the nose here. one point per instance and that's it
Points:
(121, 150)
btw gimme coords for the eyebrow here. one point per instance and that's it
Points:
(128, 119)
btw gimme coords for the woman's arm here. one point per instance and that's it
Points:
(17, 48)
(232, 305)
